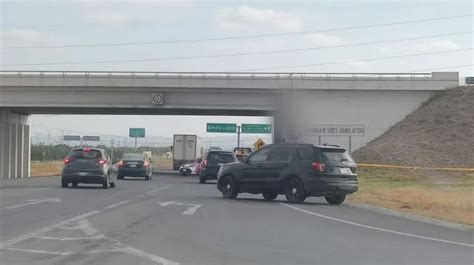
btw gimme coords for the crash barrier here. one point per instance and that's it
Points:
(417, 168)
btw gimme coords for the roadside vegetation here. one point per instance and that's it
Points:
(436, 194)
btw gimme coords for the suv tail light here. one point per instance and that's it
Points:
(102, 162)
(145, 164)
(318, 166)
(204, 164)
(67, 160)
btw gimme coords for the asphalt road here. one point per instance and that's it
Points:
(174, 220)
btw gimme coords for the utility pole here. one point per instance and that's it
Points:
(112, 149)
(238, 136)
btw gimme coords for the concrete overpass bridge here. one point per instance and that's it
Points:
(305, 106)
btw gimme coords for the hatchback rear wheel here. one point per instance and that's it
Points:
(105, 184)
(64, 183)
(294, 190)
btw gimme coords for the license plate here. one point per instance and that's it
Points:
(344, 170)
(82, 174)
(133, 165)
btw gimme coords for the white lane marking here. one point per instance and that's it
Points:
(192, 208)
(33, 202)
(37, 251)
(115, 205)
(378, 228)
(86, 227)
(167, 203)
(39, 189)
(146, 255)
(36, 233)
(101, 236)
(64, 253)
(149, 193)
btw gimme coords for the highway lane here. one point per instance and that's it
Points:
(175, 220)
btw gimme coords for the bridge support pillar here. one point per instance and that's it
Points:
(15, 146)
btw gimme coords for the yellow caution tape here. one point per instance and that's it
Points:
(422, 168)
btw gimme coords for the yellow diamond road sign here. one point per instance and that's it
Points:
(259, 143)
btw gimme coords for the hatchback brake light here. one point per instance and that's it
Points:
(145, 164)
(102, 162)
(67, 160)
(206, 162)
(86, 149)
(318, 166)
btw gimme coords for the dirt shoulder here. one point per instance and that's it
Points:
(442, 195)
(46, 169)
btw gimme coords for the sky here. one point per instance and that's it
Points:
(103, 33)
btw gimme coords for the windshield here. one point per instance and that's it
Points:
(133, 157)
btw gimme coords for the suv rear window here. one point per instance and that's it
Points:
(335, 155)
(215, 158)
(81, 154)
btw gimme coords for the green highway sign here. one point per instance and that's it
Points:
(136, 132)
(256, 128)
(221, 128)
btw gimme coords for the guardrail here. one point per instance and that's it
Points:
(299, 75)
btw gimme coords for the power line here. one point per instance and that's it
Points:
(355, 61)
(234, 37)
(242, 54)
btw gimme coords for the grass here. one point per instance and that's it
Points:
(443, 195)
(46, 169)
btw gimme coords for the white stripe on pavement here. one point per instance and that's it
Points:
(377, 228)
(36, 233)
(115, 205)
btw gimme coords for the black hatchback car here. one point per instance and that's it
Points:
(212, 162)
(88, 165)
(295, 170)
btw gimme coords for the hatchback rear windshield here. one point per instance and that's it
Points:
(81, 154)
(335, 155)
(133, 157)
(221, 158)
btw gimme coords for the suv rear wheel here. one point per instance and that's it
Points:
(335, 199)
(229, 187)
(269, 196)
(202, 180)
(294, 190)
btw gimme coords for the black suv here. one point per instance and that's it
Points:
(295, 170)
(212, 162)
(88, 165)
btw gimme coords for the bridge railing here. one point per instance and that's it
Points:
(296, 75)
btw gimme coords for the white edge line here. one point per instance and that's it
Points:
(115, 205)
(71, 238)
(378, 228)
(36, 233)
(59, 253)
